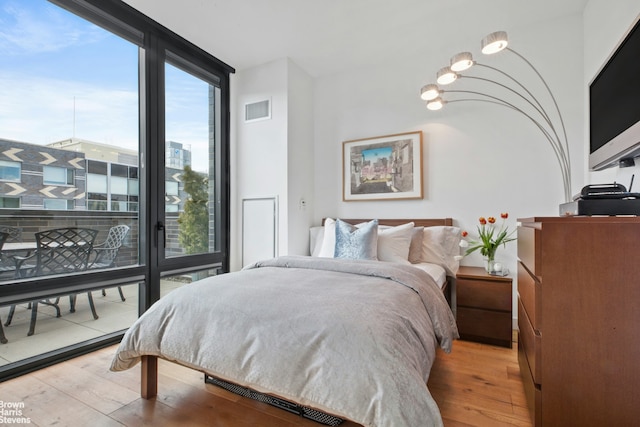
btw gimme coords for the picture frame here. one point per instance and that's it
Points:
(383, 168)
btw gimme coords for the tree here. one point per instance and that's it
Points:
(193, 222)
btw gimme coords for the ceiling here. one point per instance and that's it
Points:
(328, 36)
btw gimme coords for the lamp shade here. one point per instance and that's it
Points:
(435, 104)
(461, 61)
(429, 92)
(446, 76)
(494, 42)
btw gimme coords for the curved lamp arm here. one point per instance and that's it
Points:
(563, 146)
(555, 144)
(553, 98)
(535, 104)
(532, 107)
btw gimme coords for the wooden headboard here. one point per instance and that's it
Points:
(421, 222)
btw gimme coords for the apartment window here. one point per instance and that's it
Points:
(119, 170)
(97, 202)
(96, 167)
(10, 171)
(53, 175)
(58, 204)
(96, 183)
(119, 203)
(133, 203)
(109, 61)
(171, 188)
(119, 185)
(9, 202)
(132, 187)
(109, 186)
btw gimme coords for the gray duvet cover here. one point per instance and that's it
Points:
(352, 338)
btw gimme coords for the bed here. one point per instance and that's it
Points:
(347, 338)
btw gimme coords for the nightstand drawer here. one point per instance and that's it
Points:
(484, 294)
(493, 327)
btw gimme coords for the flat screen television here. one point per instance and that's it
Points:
(614, 106)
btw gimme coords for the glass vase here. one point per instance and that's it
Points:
(494, 267)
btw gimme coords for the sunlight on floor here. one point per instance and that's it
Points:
(52, 333)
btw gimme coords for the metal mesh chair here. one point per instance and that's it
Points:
(15, 233)
(59, 251)
(3, 238)
(104, 254)
(7, 263)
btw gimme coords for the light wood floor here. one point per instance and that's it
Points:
(475, 385)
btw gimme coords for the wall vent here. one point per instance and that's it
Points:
(255, 111)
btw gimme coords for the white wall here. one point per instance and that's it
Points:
(272, 158)
(300, 159)
(604, 27)
(260, 147)
(479, 159)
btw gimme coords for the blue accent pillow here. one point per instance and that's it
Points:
(356, 242)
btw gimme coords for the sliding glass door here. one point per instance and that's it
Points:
(192, 134)
(190, 221)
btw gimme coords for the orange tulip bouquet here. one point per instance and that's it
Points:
(490, 238)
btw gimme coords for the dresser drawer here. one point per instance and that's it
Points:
(492, 327)
(530, 293)
(529, 244)
(533, 394)
(531, 343)
(486, 294)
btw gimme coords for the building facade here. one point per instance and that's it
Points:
(76, 174)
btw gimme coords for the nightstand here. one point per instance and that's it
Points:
(484, 306)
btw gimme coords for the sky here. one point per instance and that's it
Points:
(375, 154)
(63, 77)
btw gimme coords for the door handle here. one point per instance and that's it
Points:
(160, 227)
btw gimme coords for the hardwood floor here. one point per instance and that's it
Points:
(479, 385)
(475, 385)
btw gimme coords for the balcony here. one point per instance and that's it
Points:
(53, 333)
(114, 314)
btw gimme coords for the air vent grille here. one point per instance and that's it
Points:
(260, 110)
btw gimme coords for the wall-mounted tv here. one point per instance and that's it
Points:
(614, 106)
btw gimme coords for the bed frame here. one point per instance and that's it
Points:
(149, 377)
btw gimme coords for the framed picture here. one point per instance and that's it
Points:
(382, 168)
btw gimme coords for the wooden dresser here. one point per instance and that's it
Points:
(579, 319)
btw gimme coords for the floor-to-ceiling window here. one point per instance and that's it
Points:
(112, 124)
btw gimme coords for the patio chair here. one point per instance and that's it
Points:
(59, 251)
(7, 263)
(15, 233)
(3, 238)
(104, 254)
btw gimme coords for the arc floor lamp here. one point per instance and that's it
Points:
(521, 99)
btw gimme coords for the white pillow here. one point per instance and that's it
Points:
(328, 246)
(394, 243)
(440, 245)
(316, 235)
